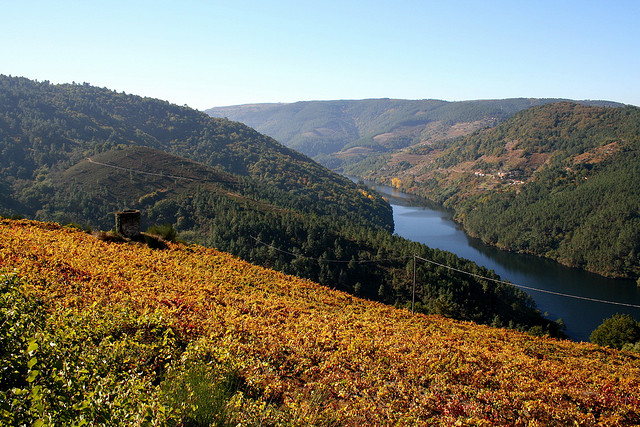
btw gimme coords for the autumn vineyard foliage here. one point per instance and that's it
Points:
(105, 332)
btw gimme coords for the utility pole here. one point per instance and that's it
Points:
(413, 298)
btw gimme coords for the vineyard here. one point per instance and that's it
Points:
(174, 336)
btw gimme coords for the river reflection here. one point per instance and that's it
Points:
(434, 227)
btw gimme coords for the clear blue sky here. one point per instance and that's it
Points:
(215, 53)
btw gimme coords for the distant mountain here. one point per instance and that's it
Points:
(77, 153)
(341, 133)
(559, 180)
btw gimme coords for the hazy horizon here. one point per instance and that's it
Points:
(211, 54)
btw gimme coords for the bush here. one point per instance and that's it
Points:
(199, 396)
(165, 232)
(79, 368)
(632, 347)
(617, 331)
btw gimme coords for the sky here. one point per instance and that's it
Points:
(217, 53)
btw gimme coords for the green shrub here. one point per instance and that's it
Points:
(165, 232)
(206, 387)
(85, 228)
(79, 368)
(616, 331)
(632, 347)
(200, 397)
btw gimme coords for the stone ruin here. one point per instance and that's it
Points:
(128, 223)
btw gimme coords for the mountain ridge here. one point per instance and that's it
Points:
(321, 129)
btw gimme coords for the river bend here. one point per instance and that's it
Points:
(434, 227)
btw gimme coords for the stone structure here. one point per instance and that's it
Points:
(128, 223)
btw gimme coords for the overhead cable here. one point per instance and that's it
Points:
(478, 276)
(161, 175)
(528, 287)
(363, 261)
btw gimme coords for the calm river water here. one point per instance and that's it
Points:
(434, 227)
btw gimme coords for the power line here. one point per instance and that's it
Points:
(528, 287)
(478, 276)
(162, 175)
(363, 261)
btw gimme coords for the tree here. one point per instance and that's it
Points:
(616, 331)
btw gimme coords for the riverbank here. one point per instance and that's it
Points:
(581, 292)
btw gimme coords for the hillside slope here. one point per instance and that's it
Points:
(45, 129)
(300, 354)
(341, 134)
(559, 180)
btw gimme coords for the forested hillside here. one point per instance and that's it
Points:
(94, 332)
(342, 134)
(77, 153)
(48, 128)
(560, 180)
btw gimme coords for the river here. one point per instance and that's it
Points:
(434, 227)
